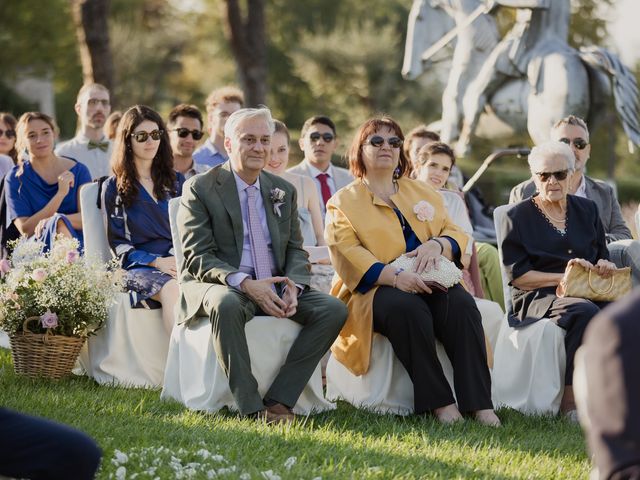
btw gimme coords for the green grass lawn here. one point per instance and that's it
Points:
(140, 434)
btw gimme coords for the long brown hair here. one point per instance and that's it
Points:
(21, 134)
(11, 122)
(371, 126)
(122, 160)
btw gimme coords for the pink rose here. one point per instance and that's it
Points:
(424, 211)
(72, 256)
(49, 319)
(5, 266)
(39, 274)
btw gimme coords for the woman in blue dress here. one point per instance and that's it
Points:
(42, 192)
(136, 200)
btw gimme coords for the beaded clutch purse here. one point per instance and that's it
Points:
(443, 277)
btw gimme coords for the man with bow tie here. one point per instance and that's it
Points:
(90, 146)
(243, 257)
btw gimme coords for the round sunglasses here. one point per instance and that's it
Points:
(8, 133)
(184, 133)
(377, 141)
(142, 137)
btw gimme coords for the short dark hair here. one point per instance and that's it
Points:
(322, 119)
(184, 110)
(421, 131)
(435, 148)
(281, 128)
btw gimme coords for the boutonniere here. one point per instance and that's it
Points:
(424, 211)
(277, 199)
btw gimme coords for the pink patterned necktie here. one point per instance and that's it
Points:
(259, 249)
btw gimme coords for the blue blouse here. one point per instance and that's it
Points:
(28, 193)
(139, 233)
(370, 278)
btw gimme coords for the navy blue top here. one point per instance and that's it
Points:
(140, 233)
(29, 193)
(370, 278)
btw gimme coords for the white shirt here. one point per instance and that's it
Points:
(97, 161)
(330, 181)
(582, 189)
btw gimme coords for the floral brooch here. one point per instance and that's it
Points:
(277, 199)
(424, 211)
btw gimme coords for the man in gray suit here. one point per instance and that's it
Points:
(318, 141)
(243, 257)
(623, 250)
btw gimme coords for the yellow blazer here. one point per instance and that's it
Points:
(361, 230)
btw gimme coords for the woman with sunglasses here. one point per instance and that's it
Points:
(42, 191)
(543, 234)
(378, 217)
(8, 158)
(308, 204)
(136, 200)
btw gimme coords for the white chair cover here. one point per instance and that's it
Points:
(131, 349)
(529, 362)
(194, 377)
(4, 340)
(386, 387)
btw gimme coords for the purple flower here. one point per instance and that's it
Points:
(5, 266)
(72, 256)
(49, 319)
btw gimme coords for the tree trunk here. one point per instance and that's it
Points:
(92, 31)
(248, 43)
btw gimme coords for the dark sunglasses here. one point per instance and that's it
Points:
(579, 143)
(327, 137)
(545, 176)
(184, 133)
(8, 133)
(377, 141)
(142, 137)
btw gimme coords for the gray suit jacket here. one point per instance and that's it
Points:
(342, 176)
(603, 196)
(211, 233)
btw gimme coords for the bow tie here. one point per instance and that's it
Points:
(104, 146)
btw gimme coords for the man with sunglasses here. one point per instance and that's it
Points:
(185, 131)
(318, 141)
(221, 103)
(90, 146)
(623, 250)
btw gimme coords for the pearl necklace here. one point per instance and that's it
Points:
(555, 219)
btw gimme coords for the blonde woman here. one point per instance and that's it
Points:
(308, 203)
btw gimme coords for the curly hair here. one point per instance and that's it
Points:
(371, 126)
(122, 161)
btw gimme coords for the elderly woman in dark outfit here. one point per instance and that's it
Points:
(372, 221)
(544, 234)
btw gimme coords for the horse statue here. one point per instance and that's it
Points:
(523, 83)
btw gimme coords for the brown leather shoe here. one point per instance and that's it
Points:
(277, 413)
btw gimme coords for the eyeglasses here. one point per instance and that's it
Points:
(377, 141)
(184, 133)
(545, 176)
(8, 133)
(95, 101)
(579, 143)
(142, 137)
(327, 137)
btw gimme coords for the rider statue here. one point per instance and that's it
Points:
(541, 26)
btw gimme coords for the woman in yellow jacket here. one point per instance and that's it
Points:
(372, 221)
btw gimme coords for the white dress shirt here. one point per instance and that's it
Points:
(97, 161)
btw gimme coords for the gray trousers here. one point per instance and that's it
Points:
(626, 253)
(321, 317)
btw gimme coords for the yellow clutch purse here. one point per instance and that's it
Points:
(582, 282)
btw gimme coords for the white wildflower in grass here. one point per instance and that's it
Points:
(245, 476)
(203, 453)
(119, 458)
(226, 470)
(211, 474)
(270, 475)
(217, 458)
(290, 462)
(121, 473)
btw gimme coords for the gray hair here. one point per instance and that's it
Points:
(237, 117)
(549, 150)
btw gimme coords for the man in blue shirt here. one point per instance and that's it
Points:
(221, 103)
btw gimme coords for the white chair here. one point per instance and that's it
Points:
(529, 362)
(194, 377)
(131, 349)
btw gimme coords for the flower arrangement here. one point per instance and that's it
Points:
(67, 293)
